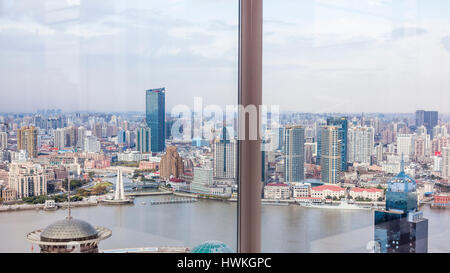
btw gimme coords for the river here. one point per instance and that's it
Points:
(284, 228)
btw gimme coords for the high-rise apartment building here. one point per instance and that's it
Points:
(91, 145)
(27, 140)
(155, 117)
(360, 144)
(331, 155)
(342, 125)
(405, 146)
(171, 164)
(59, 138)
(294, 151)
(27, 179)
(81, 135)
(3, 140)
(446, 162)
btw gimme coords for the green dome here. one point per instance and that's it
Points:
(212, 247)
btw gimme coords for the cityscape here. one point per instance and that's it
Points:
(121, 129)
(388, 164)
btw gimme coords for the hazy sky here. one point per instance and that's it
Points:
(319, 55)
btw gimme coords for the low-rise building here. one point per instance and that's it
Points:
(371, 193)
(277, 191)
(326, 191)
(301, 190)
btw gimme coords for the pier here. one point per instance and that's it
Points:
(150, 193)
(173, 201)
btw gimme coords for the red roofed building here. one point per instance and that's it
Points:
(277, 191)
(327, 190)
(370, 193)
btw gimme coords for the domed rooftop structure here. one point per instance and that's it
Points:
(212, 247)
(402, 182)
(69, 229)
(68, 234)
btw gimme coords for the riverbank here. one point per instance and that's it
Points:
(24, 207)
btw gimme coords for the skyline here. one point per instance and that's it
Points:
(319, 56)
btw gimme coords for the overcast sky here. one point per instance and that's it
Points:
(319, 55)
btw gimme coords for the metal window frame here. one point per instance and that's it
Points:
(249, 158)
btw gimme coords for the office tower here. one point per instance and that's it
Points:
(446, 162)
(429, 119)
(59, 138)
(264, 162)
(294, 151)
(27, 140)
(280, 138)
(97, 130)
(91, 145)
(155, 117)
(225, 156)
(3, 140)
(171, 164)
(405, 145)
(319, 145)
(203, 179)
(360, 144)
(401, 228)
(331, 155)
(121, 136)
(27, 179)
(342, 125)
(144, 134)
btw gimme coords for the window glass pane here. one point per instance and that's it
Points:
(109, 93)
(362, 154)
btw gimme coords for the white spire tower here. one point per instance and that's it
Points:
(119, 195)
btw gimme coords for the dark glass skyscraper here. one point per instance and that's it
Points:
(401, 228)
(429, 119)
(342, 124)
(155, 117)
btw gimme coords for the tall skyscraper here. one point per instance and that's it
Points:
(155, 117)
(342, 125)
(144, 137)
(360, 144)
(225, 156)
(401, 228)
(294, 151)
(331, 155)
(27, 140)
(429, 119)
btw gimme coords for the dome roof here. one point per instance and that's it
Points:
(69, 229)
(212, 247)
